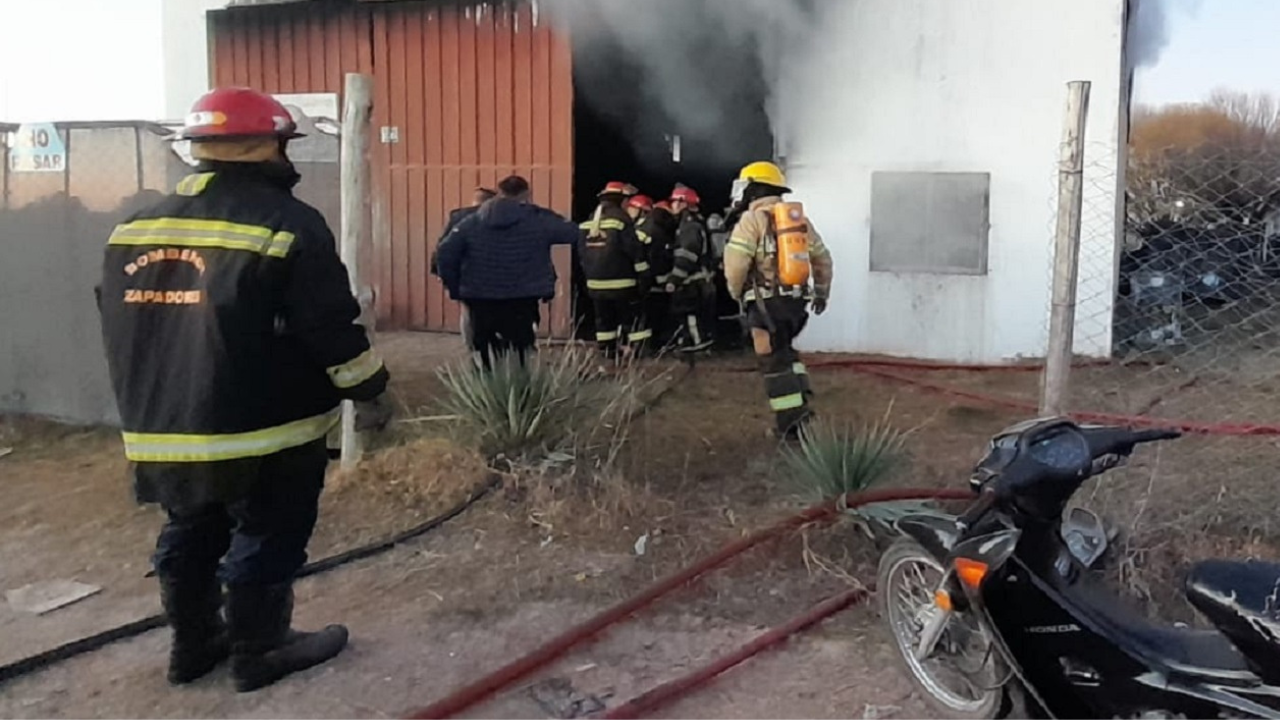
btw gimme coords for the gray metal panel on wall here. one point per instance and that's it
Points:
(930, 222)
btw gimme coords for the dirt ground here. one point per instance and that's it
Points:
(698, 470)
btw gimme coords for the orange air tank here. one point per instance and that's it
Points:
(791, 228)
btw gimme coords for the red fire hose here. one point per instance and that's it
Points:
(1186, 426)
(665, 693)
(468, 696)
(926, 365)
(880, 368)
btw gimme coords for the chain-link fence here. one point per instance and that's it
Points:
(1185, 296)
(1195, 320)
(63, 187)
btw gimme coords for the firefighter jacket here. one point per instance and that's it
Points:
(613, 257)
(692, 254)
(660, 230)
(229, 323)
(750, 261)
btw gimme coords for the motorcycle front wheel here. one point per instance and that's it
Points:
(960, 677)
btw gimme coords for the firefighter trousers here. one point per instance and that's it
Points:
(658, 314)
(775, 324)
(258, 539)
(694, 317)
(620, 323)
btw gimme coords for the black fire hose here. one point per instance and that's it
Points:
(31, 664)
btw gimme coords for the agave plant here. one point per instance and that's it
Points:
(832, 461)
(516, 409)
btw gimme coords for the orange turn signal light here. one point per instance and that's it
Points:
(942, 599)
(971, 572)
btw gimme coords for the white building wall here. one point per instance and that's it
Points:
(185, 37)
(955, 86)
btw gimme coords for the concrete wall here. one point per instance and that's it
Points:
(956, 86)
(52, 230)
(53, 227)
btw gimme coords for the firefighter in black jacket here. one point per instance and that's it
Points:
(692, 292)
(617, 270)
(231, 338)
(659, 227)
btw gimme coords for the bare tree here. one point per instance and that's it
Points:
(1208, 162)
(1257, 113)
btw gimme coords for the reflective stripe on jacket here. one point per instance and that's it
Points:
(613, 258)
(229, 323)
(692, 254)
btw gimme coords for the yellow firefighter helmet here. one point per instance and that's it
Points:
(765, 173)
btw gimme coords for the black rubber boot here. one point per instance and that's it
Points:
(200, 640)
(791, 426)
(263, 648)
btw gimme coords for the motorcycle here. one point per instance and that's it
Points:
(997, 610)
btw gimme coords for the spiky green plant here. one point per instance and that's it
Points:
(514, 409)
(832, 461)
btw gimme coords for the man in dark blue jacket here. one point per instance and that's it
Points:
(498, 263)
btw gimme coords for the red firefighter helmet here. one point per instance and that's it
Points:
(644, 202)
(662, 205)
(237, 112)
(686, 195)
(618, 188)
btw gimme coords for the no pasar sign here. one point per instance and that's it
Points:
(37, 148)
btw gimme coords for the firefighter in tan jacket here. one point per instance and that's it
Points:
(775, 264)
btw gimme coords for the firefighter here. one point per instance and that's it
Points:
(639, 207)
(774, 285)
(659, 227)
(692, 293)
(231, 338)
(617, 271)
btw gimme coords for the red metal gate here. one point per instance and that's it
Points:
(473, 93)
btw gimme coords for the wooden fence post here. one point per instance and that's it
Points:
(1066, 253)
(357, 113)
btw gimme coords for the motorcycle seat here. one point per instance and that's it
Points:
(1242, 599)
(1184, 649)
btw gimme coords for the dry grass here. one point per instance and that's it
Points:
(1170, 516)
(34, 438)
(424, 475)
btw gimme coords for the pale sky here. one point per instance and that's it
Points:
(101, 59)
(80, 60)
(1223, 43)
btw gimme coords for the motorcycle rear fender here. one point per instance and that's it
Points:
(937, 535)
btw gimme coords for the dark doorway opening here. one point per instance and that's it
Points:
(628, 121)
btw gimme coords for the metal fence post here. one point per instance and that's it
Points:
(1066, 255)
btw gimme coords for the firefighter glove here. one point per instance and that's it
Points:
(819, 306)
